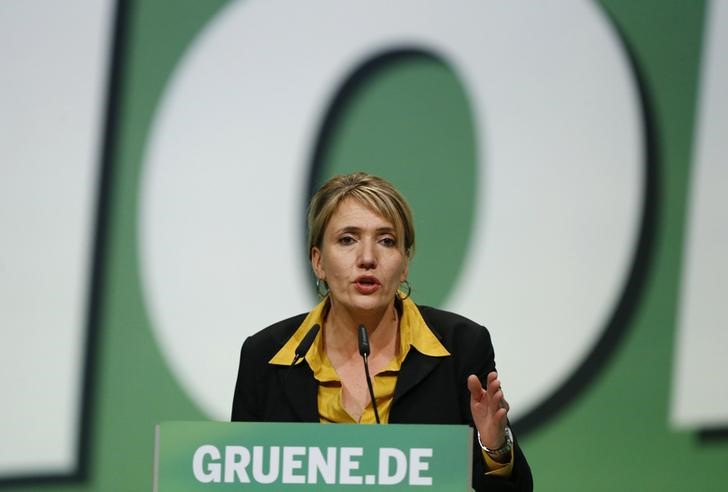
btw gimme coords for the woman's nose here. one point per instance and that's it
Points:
(367, 255)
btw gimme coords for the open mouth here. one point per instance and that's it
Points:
(367, 284)
(367, 281)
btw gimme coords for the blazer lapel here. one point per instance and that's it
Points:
(301, 391)
(415, 368)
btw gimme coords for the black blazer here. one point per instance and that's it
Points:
(429, 390)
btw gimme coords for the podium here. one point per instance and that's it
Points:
(221, 456)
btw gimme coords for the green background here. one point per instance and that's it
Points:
(615, 435)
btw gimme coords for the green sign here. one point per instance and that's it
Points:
(207, 456)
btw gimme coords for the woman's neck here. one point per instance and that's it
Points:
(341, 329)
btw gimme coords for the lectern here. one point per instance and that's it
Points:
(220, 456)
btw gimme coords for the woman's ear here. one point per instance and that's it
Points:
(405, 272)
(316, 263)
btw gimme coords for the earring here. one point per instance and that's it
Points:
(319, 283)
(407, 285)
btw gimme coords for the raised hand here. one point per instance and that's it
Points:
(489, 409)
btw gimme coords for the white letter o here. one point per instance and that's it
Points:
(560, 177)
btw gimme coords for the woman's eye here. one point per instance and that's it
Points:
(346, 240)
(388, 241)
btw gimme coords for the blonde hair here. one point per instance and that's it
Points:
(373, 192)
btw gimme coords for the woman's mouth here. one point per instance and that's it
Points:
(366, 284)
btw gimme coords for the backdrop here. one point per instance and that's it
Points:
(563, 161)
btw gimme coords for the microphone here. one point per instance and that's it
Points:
(364, 342)
(364, 350)
(305, 344)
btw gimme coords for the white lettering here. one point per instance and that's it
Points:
(349, 464)
(393, 465)
(273, 464)
(237, 459)
(212, 472)
(701, 343)
(595, 245)
(386, 455)
(325, 467)
(290, 463)
(416, 465)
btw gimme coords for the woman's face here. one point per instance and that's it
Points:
(361, 258)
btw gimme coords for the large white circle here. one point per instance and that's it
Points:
(560, 176)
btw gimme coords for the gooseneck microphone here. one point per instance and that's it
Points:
(364, 351)
(305, 344)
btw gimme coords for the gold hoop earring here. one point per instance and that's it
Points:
(319, 283)
(407, 285)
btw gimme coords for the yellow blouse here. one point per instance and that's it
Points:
(413, 332)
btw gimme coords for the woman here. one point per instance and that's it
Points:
(428, 366)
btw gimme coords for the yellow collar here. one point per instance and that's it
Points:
(413, 333)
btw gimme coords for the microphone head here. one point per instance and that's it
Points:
(307, 341)
(363, 341)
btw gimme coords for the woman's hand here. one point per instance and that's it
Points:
(489, 409)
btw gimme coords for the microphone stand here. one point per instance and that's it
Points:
(364, 351)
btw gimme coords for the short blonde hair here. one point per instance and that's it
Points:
(374, 192)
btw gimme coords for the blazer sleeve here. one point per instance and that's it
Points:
(245, 398)
(478, 358)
